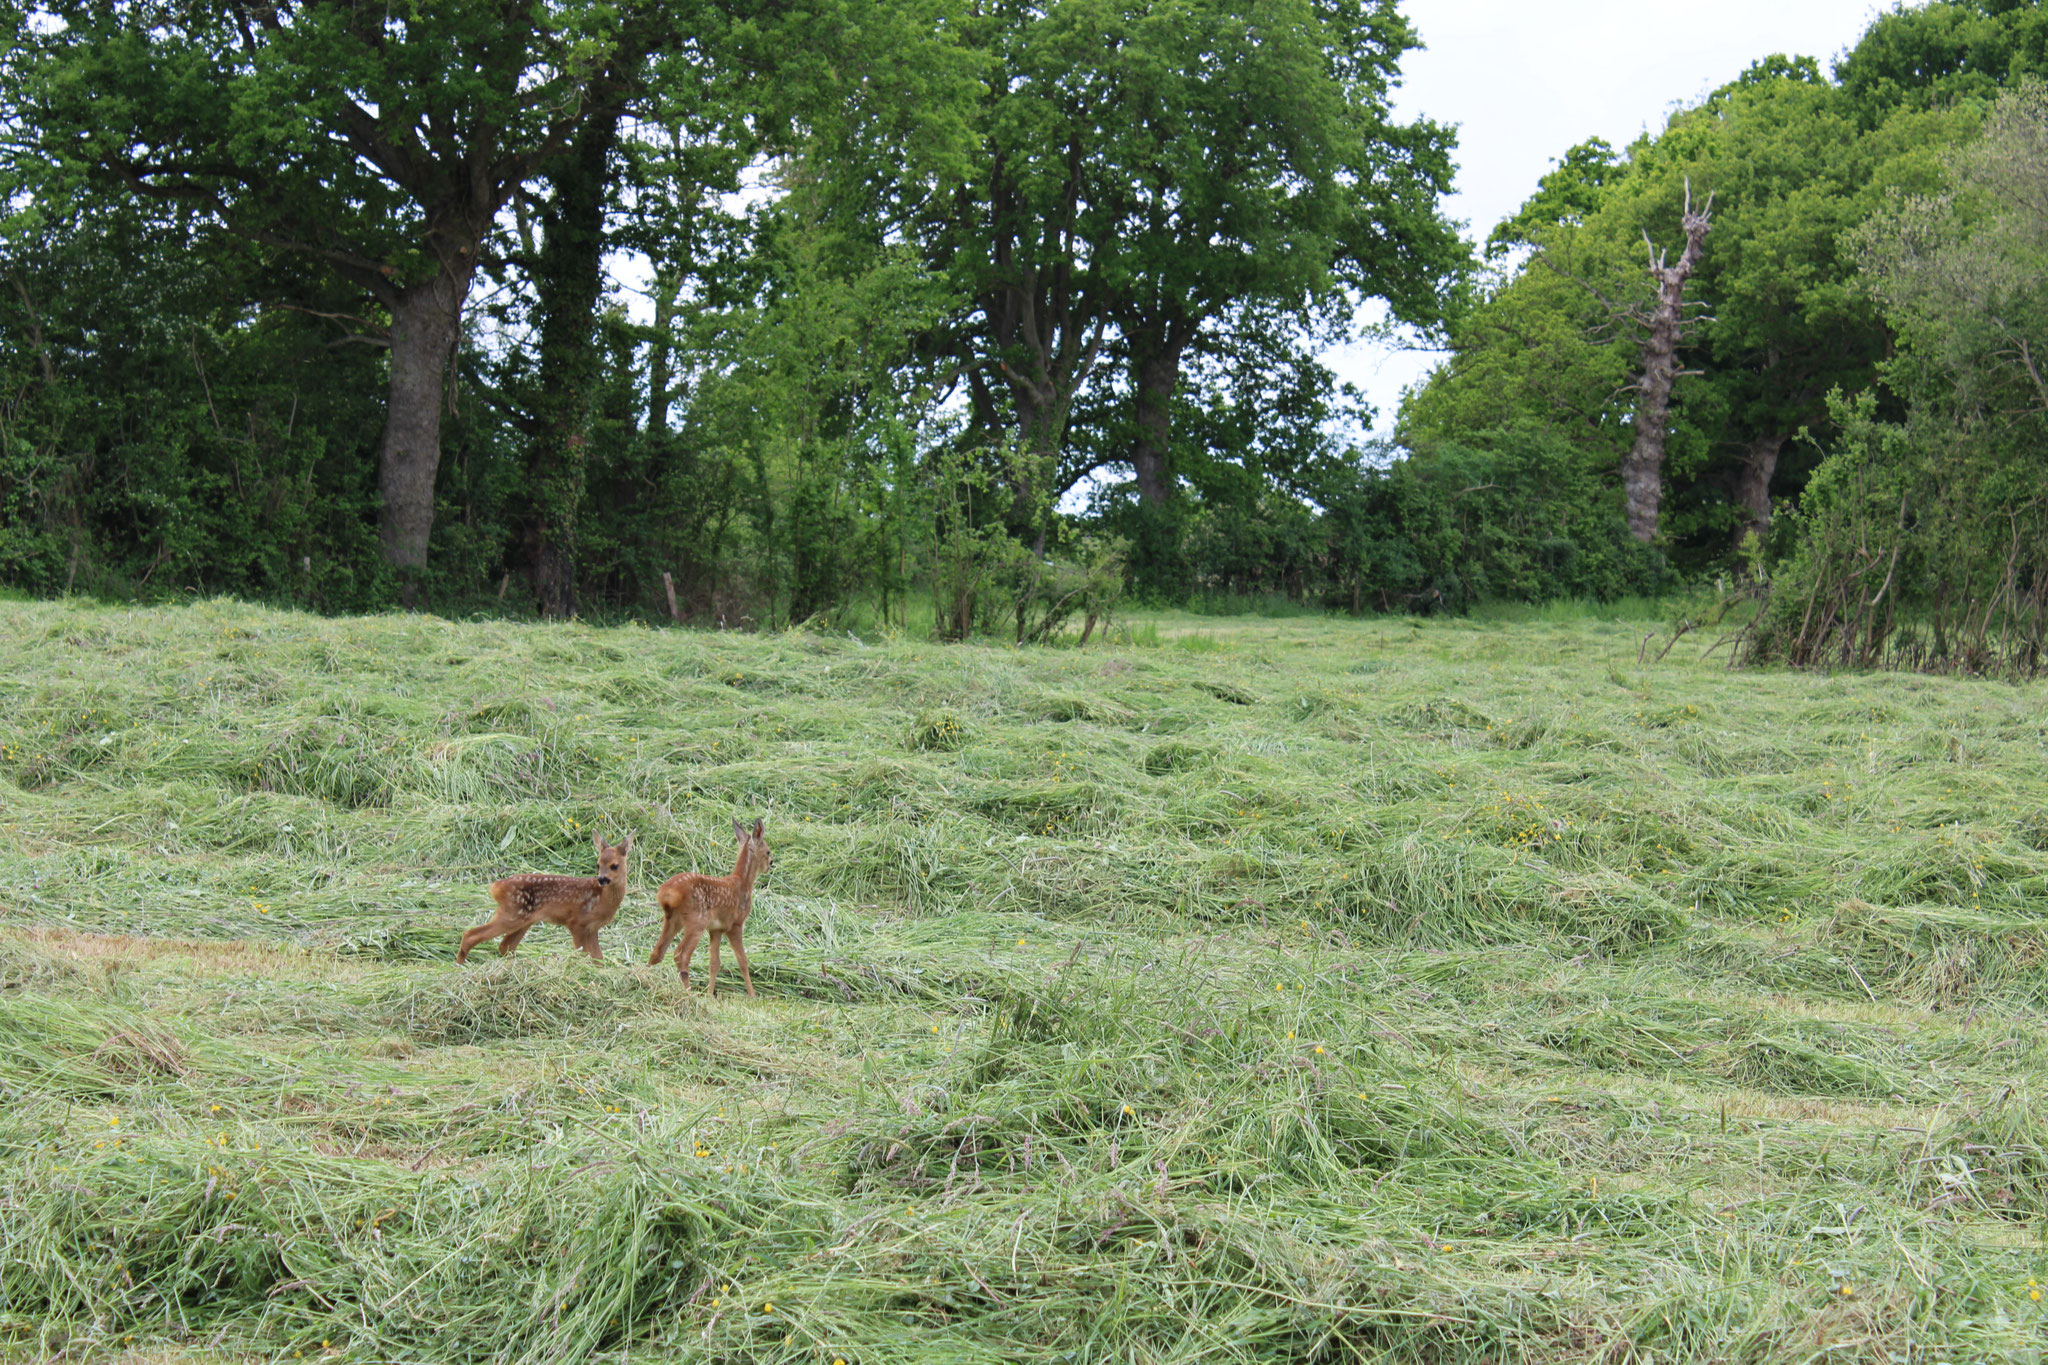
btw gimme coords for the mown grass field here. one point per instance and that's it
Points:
(1289, 990)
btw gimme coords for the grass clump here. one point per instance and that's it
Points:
(938, 732)
(1173, 756)
(1253, 989)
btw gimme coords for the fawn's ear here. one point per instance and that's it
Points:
(757, 826)
(597, 839)
(740, 830)
(627, 847)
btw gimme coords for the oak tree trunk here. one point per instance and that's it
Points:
(1642, 469)
(1043, 330)
(569, 281)
(1041, 425)
(1155, 372)
(1753, 485)
(426, 320)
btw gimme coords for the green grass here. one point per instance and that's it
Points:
(1253, 989)
(1562, 610)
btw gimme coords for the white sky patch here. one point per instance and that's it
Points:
(1526, 82)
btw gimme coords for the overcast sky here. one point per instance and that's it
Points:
(1524, 81)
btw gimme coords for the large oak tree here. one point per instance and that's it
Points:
(381, 142)
(1149, 168)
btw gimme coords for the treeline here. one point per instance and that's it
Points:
(316, 301)
(1855, 407)
(784, 311)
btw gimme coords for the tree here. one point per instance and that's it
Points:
(865, 97)
(1924, 57)
(1642, 469)
(1791, 170)
(1010, 238)
(1258, 164)
(382, 144)
(1925, 539)
(1151, 168)
(569, 275)
(168, 425)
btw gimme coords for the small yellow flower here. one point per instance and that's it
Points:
(1319, 1049)
(1128, 1111)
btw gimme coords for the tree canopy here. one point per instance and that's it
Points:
(840, 309)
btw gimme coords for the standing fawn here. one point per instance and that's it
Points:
(582, 905)
(695, 904)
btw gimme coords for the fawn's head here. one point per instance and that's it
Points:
(753, 846)
(611, 862)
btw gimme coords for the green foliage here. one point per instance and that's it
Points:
(1925, 540)
(1565, 197)
(1185, 174)
(235, 458)
(229, 235)
(1793, 165)
(1521, 515)
(1951, 52)
(1533, 519)
(839, 408)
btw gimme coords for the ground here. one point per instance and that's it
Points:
(1229, 990)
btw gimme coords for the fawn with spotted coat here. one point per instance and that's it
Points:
(582, 905)
(694, 904)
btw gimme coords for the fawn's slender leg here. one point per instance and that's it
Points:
(472, 937)
(739, 951)
(590, 945)
(690, 937)
(580, 935)
(668, 931)
(711, 986)
(507, 944)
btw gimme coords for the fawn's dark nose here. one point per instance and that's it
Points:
(604, 881)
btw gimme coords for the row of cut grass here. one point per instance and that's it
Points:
(1384, 990)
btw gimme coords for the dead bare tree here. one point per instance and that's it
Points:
(1642, 469)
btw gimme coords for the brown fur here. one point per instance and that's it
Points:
(694, 905)
(582, 905)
